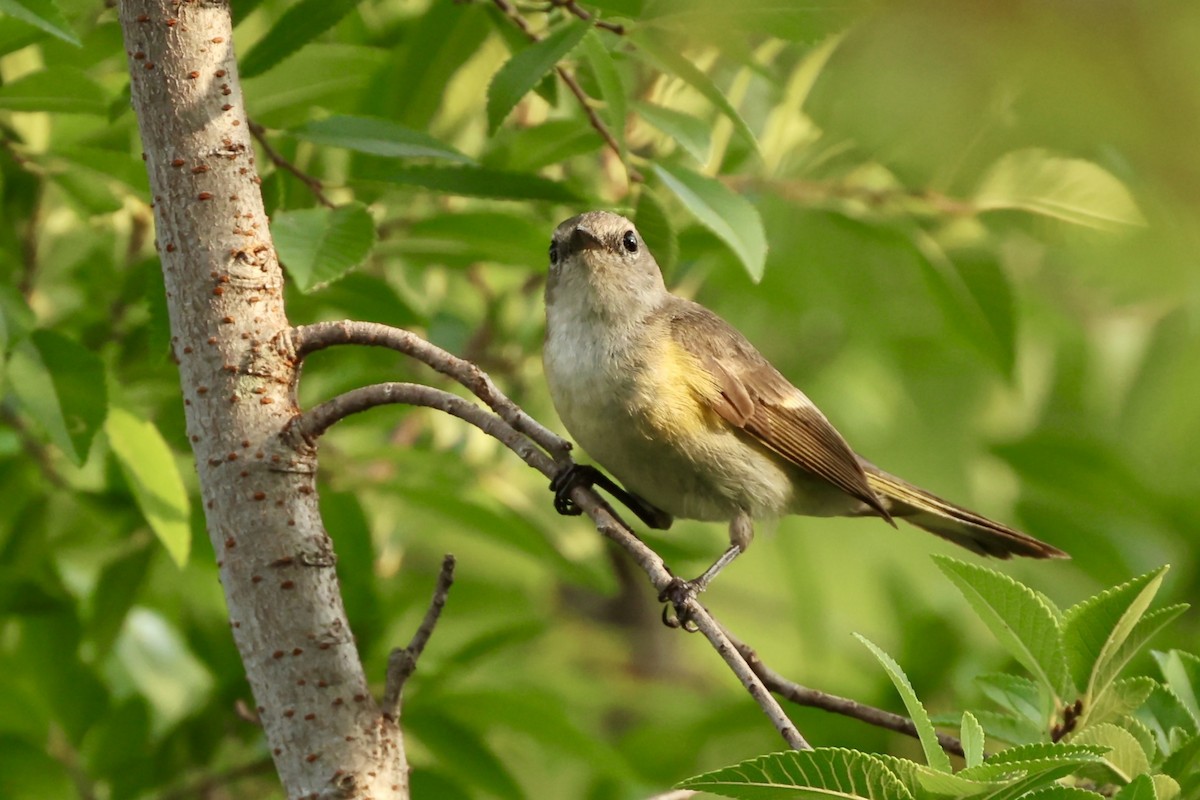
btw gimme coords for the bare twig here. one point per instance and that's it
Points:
(314, 185)
(585, 15)
(308, 339)
(402, 661)
(815, 698)
(514, 15)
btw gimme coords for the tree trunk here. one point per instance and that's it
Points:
(225, 295)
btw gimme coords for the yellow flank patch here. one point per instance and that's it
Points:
(673, 394)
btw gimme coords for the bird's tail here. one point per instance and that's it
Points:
(955, 523)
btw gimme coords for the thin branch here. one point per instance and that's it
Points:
(311, 424)
(402, 661)
(587, 16)
(514, 16)
(314, 185)
(307, 339)
(815, 698)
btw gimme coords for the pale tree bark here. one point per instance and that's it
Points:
(225, 295)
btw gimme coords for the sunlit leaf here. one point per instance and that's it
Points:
(1017, 616)
(972, 739)
(1034, 759)
(153, 478)
(804, 775)
(1101, 624)
(1069, 189)
(319, 245)
(724, 212)
(523, 71)
(1125, 757)
(934, 755)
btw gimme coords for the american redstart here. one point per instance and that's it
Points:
(694, 421)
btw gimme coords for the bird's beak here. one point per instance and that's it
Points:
(583, 239)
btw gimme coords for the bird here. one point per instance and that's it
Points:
(694, 422)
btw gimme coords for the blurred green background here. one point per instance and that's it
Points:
(982, 228)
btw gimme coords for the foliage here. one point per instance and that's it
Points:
(1066, 741)
(974, 226)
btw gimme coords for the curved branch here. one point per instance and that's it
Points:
(307, 339)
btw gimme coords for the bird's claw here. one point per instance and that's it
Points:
(565, 482)
(677, 595)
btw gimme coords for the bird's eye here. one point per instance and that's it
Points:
(629, 242)
(553, 254)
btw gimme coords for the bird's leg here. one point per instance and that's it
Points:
(586, 475)
(679, 591)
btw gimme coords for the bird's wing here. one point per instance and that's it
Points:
(750, 394)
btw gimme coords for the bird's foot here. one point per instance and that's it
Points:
(677, 596)
(564, 483)
(574, 475)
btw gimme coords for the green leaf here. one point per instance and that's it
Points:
(466, 237)
(723, 22)
(1122, 698)
(612, 91)
(1166, 787)
(692, 134)
(972, 739)
(1115, 660)
(1101, 623)
(530, 149)
(379, 137)
(154, 479)
(296, 27)
(1125, 757)
(1017, 616)
(43, 14)
(1061, 793)
(666, 59)
(319, 245)
(804, 775)
(115, 593)
(522, 72)
(1033, 759)
(1140, 788)
(1181, 671)
(62, 90)
(656, 229)
(1067, 189)
(61, 385)
(1017, 694)
(724, 212)
(934, 754)
(473, 182)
